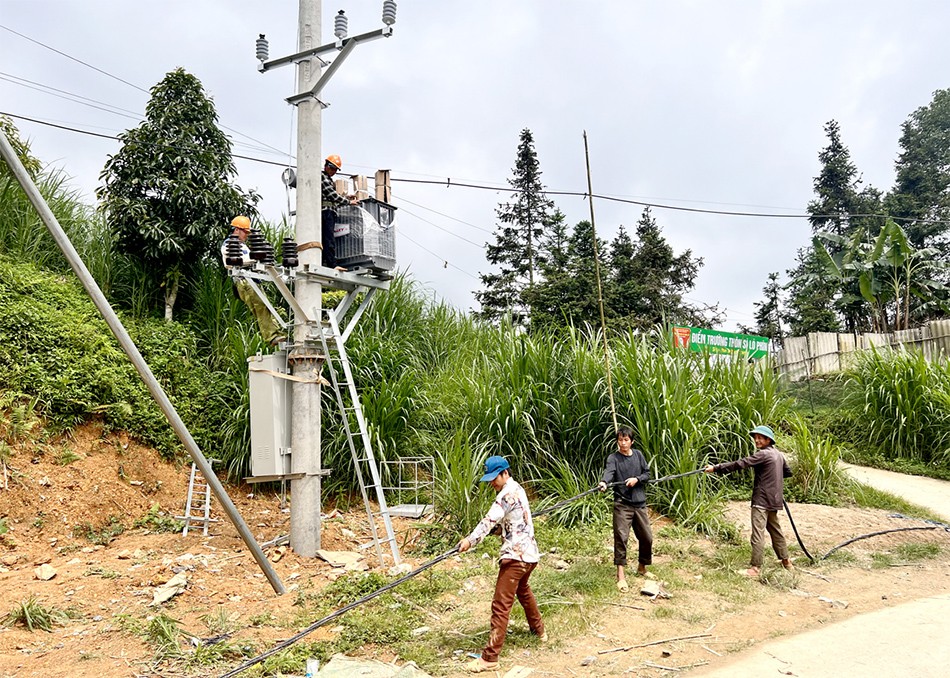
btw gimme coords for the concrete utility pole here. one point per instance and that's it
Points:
(305, 505)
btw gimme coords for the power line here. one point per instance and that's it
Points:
(79, 61)
(442, 214)
(471, 242)
(445, 261)
(115, 138)
(115, 77)
(599, 196)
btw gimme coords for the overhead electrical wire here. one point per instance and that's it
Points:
(580, 194)
(126, 82)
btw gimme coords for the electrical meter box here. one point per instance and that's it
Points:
(270, 414)
(366, 235)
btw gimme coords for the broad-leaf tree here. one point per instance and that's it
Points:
(168, 194)
(516, 252)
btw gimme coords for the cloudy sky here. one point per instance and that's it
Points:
(708, 105)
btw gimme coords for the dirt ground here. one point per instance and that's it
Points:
(116, 481)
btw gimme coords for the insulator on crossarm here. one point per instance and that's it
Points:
(389, 12)
(262, 48)
(288, 253)
(233, 256)
(257, 245)
(340, 25)
(269, 259)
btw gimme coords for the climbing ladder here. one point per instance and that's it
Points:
(351, 415)
(197, 485)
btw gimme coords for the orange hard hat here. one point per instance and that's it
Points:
(241, 222)
(334, 160)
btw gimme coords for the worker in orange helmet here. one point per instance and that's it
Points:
(331, 200)
(270, 330)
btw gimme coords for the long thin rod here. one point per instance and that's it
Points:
(125, 341)
(600, 291)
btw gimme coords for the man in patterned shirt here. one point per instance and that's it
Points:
(519, 557)
(330, 200)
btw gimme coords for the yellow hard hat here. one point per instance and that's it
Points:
(335, 161)
(241, 222)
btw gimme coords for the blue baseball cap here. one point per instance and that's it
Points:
(494, 466)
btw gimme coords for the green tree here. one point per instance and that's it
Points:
(920, 198)
(811, 294)
(168, 193)
(523, 224)
(842, 207)
(22, 150)
(647, 289)
(768, 312)
(567, 292)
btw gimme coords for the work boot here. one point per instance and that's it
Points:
(787, 564)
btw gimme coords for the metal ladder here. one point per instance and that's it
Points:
(341, 378)
(197, 484)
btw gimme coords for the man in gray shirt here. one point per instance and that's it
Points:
(770, 468)
(628, 471)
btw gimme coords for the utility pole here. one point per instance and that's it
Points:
(305, 358)
(307, 355)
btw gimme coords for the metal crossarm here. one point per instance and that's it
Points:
(347, 397)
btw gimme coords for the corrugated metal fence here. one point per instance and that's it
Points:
(827, 352)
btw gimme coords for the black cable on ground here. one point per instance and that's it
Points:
(333, 615)
(875, 534)
(380, 591)
(795, 530)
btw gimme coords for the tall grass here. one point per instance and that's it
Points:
(816, 475)
(903, 404)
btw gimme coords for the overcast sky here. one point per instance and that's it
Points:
(711, 105)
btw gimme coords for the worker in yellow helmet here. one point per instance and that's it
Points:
(330, 201)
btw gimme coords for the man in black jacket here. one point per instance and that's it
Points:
(770, 468)
(628, 467)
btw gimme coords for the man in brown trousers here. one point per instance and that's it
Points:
(770, 468)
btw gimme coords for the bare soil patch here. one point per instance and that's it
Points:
(115, 481)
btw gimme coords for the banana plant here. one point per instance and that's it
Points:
(888, 270)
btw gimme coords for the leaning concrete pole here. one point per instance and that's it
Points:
(125, 341)
(305, 358)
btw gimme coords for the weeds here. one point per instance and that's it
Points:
(33, 615)
(98, 571)
(156, 520)
(102, 535)
(163, 633)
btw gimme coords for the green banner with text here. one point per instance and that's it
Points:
(713, 341)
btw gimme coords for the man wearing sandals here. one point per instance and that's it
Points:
(770, 468)
(628, 471)
(519, 557)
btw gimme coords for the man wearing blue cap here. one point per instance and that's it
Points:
(770, 468)
(519, 557)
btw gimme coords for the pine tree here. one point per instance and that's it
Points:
(523, 225)
(811, 294)
(768, 318)
(653, 281)
(920, 199)
(567, 292)
(842, 207)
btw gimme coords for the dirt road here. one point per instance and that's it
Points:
(927, 492)
(904, 640)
